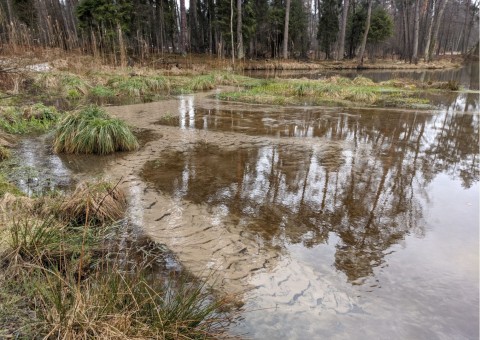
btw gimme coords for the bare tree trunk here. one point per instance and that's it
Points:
(121, 43)
(435, 33)
(343, 27)
(406, 31)
(464, 31)
(231, 32)
(183, 27)
(365, 34)
(415, 32)
(285, 32)
(9, 10)
(429, 32)
(194, 33)
(240, 53)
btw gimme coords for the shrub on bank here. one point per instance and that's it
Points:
(92, 131)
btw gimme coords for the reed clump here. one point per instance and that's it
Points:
(60, 278)
(93, 131)
(98, 202)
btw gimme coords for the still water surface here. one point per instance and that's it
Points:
(375, 219)
(467, 76)
(369, 217)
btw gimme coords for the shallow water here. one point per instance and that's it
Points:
(342, 224)
(467, 76)
(374, 220)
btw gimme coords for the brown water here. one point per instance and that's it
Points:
(332, 223)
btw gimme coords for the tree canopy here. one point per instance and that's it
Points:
(141, 28)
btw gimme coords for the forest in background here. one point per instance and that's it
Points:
(128, 30)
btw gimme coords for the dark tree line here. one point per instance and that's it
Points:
(332, 29)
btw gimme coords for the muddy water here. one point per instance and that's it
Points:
(329, 223)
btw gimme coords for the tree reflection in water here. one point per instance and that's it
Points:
(363, 179)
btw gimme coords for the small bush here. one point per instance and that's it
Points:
(93, 131)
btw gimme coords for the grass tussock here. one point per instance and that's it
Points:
(92, 131)
(97, 202)
(27, 119)
(63, 84)
(202, 83)
(138, 86)
(169, 120)
(4, 153)
(118, 305)
(7, 188)
(68, 280)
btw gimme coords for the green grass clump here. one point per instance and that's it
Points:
(138, 86)
(35, 118)
(451, 85)
(362, 95)
(202, 83)
(362, 81)
(100, 91)
(61, 279)
(92, 131)
(125, 306)
(67, 85)
(7, 187)
(169, 120)
(41, 112)
(4, 153)
(337, 80)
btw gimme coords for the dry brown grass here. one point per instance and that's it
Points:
(99, 202)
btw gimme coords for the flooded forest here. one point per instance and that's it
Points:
(248, 169)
